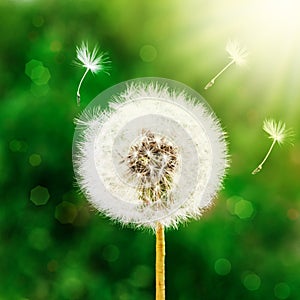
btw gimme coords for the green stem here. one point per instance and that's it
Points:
(160, 262)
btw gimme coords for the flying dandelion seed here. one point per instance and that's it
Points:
(277, 133)
(154, 159)
(237, 55)
(91, 61)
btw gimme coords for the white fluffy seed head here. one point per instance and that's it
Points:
(157, 155)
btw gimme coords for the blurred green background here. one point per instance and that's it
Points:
(53, 245)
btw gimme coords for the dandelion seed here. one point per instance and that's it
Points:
(237, 55)
(91, 61)
(278, 133)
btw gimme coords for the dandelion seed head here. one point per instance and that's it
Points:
(236, 53)
(157, 155)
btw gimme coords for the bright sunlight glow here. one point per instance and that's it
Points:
(268, 29)
(276, 18)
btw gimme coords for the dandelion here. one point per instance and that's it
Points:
(154, 159)
(278, 133)
(91, 61)
(237, 55)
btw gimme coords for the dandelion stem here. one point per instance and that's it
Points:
(258, 169)
(160, 262)
(211, 83)
(79, 86)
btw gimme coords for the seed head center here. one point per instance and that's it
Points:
(152, 162)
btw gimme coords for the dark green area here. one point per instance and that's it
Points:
(53, 245)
